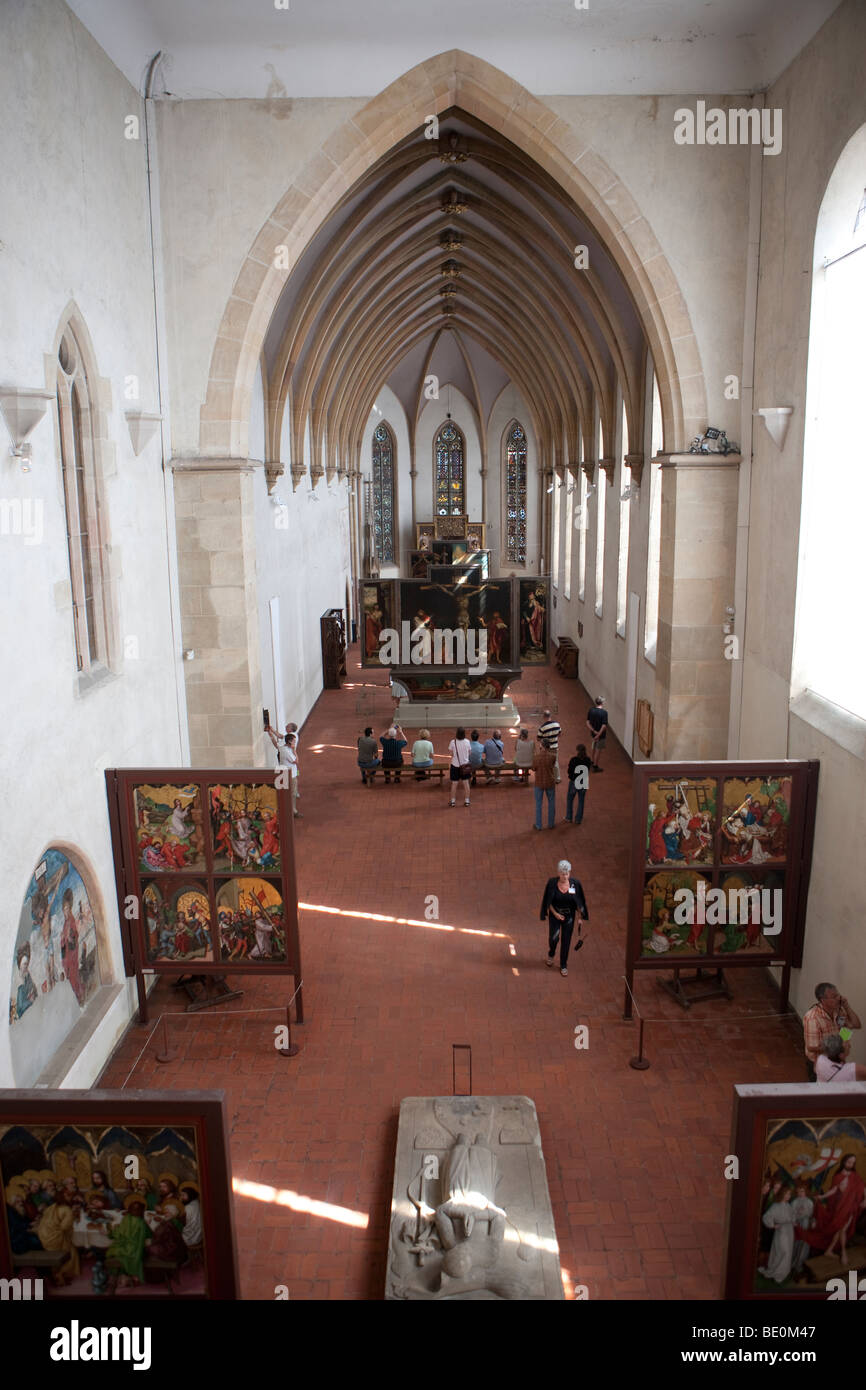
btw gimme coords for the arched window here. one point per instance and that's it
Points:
(450, 451)
(600, 519)
(581, 537)
(384, 453)
(624, 530)
(83, 506)
(655, 529)
(515, 495)
(828, 650)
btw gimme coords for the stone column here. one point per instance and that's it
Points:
(696, 583)
(215, 511)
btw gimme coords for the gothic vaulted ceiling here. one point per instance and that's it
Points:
(455, 256)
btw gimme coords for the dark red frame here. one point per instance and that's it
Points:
(754, 1106)
(204, 1111)
(796, 868)
(128, 875)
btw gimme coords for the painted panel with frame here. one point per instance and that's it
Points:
(797, 1204)
(118, 1192)
(239, 823)
(688, 823)
(377, 606)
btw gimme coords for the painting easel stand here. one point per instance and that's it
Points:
(206, 990)
(709, 986)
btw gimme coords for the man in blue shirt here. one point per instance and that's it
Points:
(393, 742)
(494, 756)
(476, 755)
(596, 722)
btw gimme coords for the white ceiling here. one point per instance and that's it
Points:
(321, 48)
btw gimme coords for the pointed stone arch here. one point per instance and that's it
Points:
(452, 79)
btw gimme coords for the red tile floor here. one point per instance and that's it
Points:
(634, 1159)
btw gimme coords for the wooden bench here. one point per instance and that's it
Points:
(40, 1259)
(407, 771)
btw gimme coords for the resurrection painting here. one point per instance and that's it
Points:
(177, 921)
(681, 821)
(755, 820)
(797, 1219)
(534, 637)
(245, 826)
(168, 828)
(250, 920)
(671, 925)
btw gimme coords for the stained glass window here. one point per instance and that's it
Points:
(450, 454)
(383, 493)
(515, 496)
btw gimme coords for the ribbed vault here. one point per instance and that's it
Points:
(465, 234)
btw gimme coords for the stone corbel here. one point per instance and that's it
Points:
(574, 470)
(274, 470)
(634, 462)
(559, 470)
(298, 472)
(588, 467)
(142, 426)
(316, 472)
(609, 468)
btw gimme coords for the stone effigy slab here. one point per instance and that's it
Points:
(470, 1212)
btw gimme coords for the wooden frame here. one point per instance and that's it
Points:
(645, 725)
(229, 878)
(451, 528)
(423, 528)
(713, 841)
(777, 1136)
(194, 1150)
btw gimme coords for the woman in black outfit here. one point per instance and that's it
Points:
(563, 900)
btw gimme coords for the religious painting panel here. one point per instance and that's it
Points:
(748, 914)
(377, 614)
(245, 827)
(174, 926)
(681, 821)
(755, 819)
(424, 533)
(534, 626)
(418, 562)
(466, 608)
(748, 827)
(168, 828)
(476, 535)
(251, 920)
(55, 962)
(797, 1213)
(108, 1194)
(672, 923)
(177, 920)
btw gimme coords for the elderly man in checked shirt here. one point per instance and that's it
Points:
(548, 732)
(831, 1013)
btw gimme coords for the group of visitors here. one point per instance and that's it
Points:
(827, 1029)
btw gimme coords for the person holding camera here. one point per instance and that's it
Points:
(563, 901)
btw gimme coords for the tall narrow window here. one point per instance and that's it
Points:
(655, 530)
(83, 538)
(450, 451)
(624, 530)
(600, 509)
(515, 496)
(581, 538)
(557, 505)
(570, 488)
(383, 493)
(829, 655)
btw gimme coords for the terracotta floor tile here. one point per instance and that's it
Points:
(632, 1157)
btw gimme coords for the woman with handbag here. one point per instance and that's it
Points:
(563, 901)
(461, 768)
